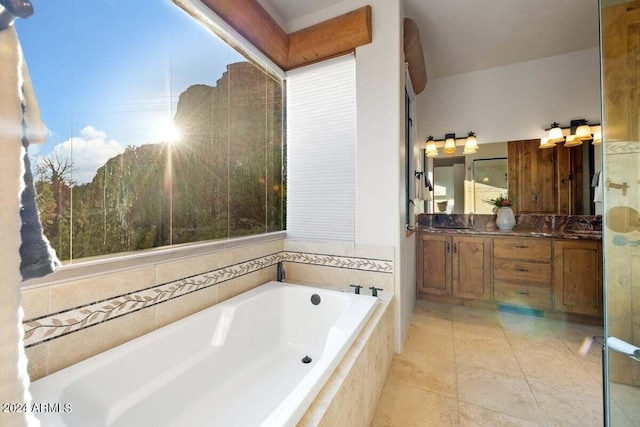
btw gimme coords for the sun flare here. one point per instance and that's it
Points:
(167, 132)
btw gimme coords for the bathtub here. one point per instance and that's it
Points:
(258, 359)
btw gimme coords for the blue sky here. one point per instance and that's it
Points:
(108, 73)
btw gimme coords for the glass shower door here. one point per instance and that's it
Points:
(620, 32)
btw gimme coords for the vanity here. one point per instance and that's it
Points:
(548, 265)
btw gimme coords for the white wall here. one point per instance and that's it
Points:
(513, 102)
(380, 139)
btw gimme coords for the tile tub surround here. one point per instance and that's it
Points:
(339, 264)
(527, 225)
(351, 395)
(92, 315)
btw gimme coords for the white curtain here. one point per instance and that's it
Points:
(15, 91)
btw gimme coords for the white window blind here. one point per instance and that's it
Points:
(321, 151)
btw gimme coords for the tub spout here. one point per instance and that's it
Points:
(280, 273)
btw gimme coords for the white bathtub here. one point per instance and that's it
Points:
(238, 363)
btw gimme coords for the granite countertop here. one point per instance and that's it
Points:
(574, 227)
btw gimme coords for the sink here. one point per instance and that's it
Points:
(451, 222)
(452, 227)
(583, 225)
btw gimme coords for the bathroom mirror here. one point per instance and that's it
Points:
(461, 183)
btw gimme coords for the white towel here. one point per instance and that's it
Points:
(419, 188)
(597, 191)
(14, 379)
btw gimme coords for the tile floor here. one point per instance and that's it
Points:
(471, 367)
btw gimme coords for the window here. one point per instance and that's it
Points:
(159, 132)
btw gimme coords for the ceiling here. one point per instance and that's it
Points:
(461, 36)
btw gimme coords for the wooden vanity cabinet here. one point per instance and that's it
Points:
(578, 277)
(433, 260)
(471, 268)
(458, 266)
(561, 277)
(522, 272)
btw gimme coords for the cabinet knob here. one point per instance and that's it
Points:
(522, 269)
(522, 246)
(522, 292)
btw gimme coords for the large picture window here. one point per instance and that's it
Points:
(159, 132)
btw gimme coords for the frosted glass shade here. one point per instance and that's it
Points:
(450, 146)
(573, 141)
(544, 143)
(431, 149)
(583, 132)
(555, 134)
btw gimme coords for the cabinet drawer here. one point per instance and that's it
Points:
(533, 249)
(529, 272)
(523, 296)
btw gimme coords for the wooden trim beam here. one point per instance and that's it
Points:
(255, 24)
(334, 37)
(413, 56)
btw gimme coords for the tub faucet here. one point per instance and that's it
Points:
(280, 275)
(358, 287)
(374, 291)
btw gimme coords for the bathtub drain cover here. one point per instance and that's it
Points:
(315, 299)
(306, 359)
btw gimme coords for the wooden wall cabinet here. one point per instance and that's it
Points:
(545, 181)
(456, 266)
(578, 277)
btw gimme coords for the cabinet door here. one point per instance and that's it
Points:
(533, 177)
(434, 265)
(578, 277)
(471, 269)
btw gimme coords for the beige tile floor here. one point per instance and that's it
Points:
(462, 366)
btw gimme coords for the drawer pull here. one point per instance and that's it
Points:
(522, 269)
(522, 292)
(522, 246)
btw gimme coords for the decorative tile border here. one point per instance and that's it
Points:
(56, 325)
(338, 261)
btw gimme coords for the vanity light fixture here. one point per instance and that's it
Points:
(573, 135)
(450, 144)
